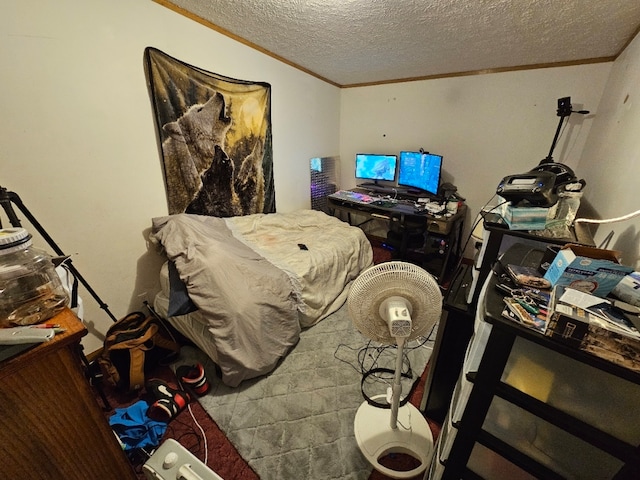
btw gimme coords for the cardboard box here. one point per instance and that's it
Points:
(592, 270)
(578, 328)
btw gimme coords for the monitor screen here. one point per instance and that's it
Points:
(316, 164)
(420, 170)
(370, 166)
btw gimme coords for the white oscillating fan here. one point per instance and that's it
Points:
(393, 303)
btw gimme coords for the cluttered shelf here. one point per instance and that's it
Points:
(590, 325)
(578, 233)
(497, 231)
(524, 394)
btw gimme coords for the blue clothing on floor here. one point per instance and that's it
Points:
(134, 428)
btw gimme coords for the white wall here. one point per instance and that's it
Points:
(611, 160)
(78, 142)
(485, 126)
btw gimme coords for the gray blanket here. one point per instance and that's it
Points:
(247, 300)
(254, 286)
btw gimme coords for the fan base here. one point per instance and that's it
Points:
(377, 439)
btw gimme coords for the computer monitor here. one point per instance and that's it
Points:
(316, 164)
(420, 170)
(373, 166)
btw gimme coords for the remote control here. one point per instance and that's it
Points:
(17, 335)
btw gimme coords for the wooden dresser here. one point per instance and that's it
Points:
(51, 425)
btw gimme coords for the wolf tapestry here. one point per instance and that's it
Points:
(215, 134)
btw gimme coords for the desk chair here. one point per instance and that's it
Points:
(406, 232)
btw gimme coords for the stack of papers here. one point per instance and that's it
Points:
(601, 311)
(594, 325)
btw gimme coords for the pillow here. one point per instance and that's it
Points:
(179, 301)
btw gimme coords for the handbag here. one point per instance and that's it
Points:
(133, 346)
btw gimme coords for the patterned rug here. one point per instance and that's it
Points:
(297, 422)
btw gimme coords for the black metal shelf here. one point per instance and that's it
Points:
(488, 384)
(570, 424)
(517, 457)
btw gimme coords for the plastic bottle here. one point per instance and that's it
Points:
(30, 288)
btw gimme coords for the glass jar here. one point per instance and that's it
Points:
(30, 288)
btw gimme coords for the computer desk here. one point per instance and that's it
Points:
(443, 232)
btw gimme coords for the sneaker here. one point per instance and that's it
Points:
(169, 401)
(193, 378)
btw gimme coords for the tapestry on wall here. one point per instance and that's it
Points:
(215, 133)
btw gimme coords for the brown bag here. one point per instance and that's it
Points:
(134, 345)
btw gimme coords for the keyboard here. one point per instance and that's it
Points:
(354, 197)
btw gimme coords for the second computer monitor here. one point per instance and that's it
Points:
(420, 171)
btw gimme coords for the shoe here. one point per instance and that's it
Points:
(169, 401)
(193, 378)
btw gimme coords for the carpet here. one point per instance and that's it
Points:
(297, 422)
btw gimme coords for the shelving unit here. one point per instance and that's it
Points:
(461, 299)
(454, 332)
(526, 406)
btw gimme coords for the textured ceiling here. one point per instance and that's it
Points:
(353, 42)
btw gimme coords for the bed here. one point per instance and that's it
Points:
(242, 288)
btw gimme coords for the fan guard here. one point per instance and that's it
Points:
(386, 280)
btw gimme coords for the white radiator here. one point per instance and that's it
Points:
(174, 462)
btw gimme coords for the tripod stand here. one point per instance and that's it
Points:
(6, 200)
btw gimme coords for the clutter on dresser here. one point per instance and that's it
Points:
(526, 306)
(543, 406)
(526, 276)
(628, 289)
(7, 200)
(581, 310)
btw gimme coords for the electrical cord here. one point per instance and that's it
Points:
(608, 220)
(481, 216)
(609, 237)
(368, 365)
(200, 439)
(197, 424)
